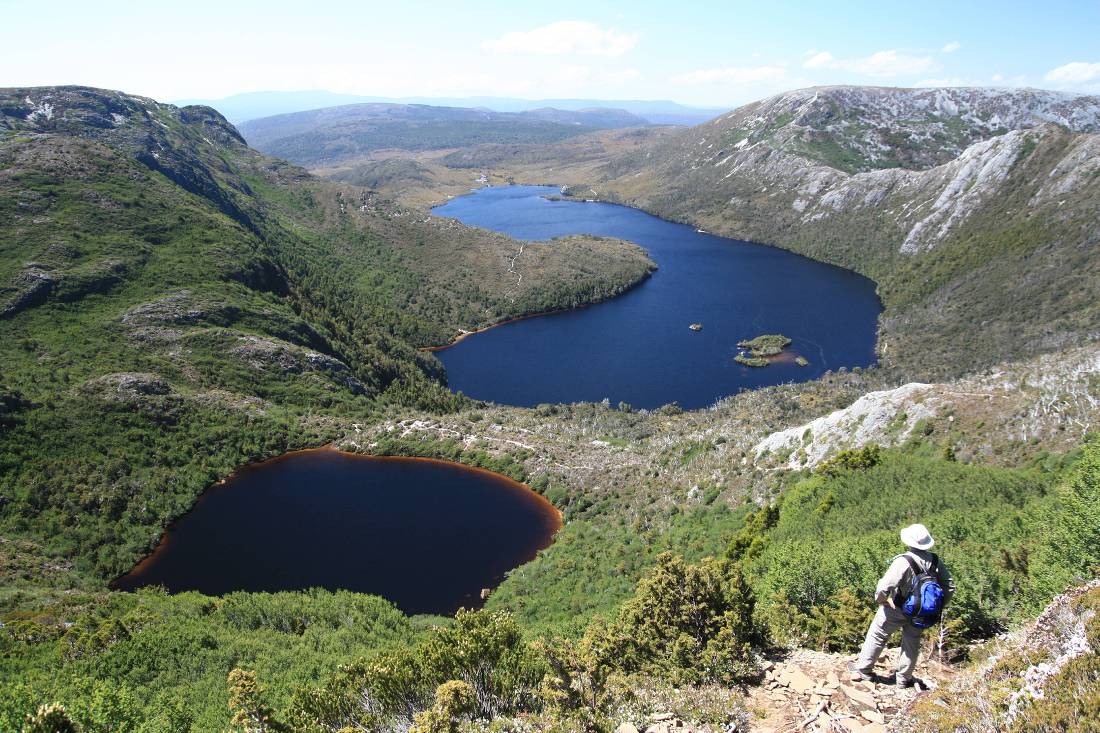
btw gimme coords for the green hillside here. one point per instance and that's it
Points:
(174, 304)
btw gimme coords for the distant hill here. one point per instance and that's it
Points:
(332, 135)
(240, 108)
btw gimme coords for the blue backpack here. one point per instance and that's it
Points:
(924, 606)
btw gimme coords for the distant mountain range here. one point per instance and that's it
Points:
(240, 108)
(336, 135)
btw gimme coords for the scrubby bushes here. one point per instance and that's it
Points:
(150, 662)
(483, 650)
(814, 558)
(685, 625)
(1070, 547)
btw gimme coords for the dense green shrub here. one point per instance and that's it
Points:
(838, 529)
(1069, 550)
(482, 649)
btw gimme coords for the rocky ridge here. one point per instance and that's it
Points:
(890, 417)
(1051, 401)
(942, 196)
(867, 128)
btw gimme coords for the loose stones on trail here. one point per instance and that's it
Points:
(805, 692)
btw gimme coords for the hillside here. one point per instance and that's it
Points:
(942, 196)
(148, 254)
(333, 135)
(175, 305)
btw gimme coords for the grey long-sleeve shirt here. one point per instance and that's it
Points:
(900, 575)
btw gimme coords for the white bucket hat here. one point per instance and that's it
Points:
(917, 537)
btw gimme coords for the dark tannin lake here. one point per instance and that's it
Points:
(427, 535)
(638, 348)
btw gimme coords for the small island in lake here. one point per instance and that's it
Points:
(696, 327)
(761, 348)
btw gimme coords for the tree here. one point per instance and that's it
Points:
(749, 541)
(853, 459)
(839, 625)
(685, 623)
(486, 650)
(50, 718)
(250, 713)
(454, 701)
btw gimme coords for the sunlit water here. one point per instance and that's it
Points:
(637, 348)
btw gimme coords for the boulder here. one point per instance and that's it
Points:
(859, 698)
(799, 682)
(873, 715)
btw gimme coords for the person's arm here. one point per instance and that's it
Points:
(887, 587)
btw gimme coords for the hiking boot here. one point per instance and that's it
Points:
(905, 683)
(859, 675)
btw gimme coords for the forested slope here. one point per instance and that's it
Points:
(174, 304)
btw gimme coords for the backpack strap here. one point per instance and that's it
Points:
(901, 591)
(913, 566)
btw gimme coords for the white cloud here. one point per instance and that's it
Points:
(951, 47)
(821, 60)
(1077, 72)
(565, 37)
(732, 75)
(881, 63)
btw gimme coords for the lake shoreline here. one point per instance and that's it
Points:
(539, 314)
(684, 222)
(542, 505)
(633, 353)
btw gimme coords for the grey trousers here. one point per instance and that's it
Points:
(885, 623)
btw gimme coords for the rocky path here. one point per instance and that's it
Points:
(512, 270)
(813, 691)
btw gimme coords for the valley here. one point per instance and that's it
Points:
(176, 305)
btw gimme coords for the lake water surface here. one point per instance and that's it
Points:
(637, 348)
(427, 535)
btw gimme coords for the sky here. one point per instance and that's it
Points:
(711, 54)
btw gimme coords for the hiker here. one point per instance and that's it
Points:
(910, 598)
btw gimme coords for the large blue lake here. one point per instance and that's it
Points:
(638, 348)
